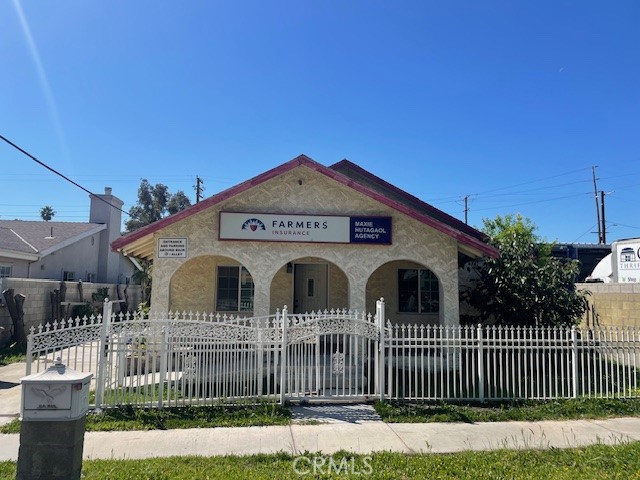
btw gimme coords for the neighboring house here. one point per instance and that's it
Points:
(310, 237)
(69, 251)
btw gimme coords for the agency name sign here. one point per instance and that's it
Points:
(304, 228)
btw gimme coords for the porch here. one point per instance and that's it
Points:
(414, 292)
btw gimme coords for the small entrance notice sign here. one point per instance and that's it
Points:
(172, 248)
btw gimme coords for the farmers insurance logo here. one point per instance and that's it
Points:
(253, 224)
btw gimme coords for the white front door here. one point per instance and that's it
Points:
(309, 287)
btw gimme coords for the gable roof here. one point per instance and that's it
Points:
(140, 242)
(39, 238)
(383, 187)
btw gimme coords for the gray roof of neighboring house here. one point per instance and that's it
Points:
(38, 236)
(10, 241)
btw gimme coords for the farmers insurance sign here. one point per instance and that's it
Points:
(305, 228)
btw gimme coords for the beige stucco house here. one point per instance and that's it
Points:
(310, 237)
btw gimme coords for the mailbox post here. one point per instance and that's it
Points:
(54, 407)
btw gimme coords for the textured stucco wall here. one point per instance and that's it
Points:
(318, 195)
(192, 286)
(281, 290)
(613, 304)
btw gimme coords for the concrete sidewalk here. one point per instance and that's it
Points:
(327, 429)
(358, 437)
(10, 391)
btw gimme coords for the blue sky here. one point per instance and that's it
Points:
(510, 103)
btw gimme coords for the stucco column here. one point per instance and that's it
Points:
(451, 313)
(160, 296)
(163, 270)
(357, 291)
(261, 295)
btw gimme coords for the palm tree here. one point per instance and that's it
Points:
(47, 212)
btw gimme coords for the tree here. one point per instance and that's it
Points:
(178, 201)
(154, 201)
(144, 278)
(525, 285)
(47, 212)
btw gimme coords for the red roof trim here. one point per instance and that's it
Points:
(327, 171)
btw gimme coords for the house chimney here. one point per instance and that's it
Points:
(105, 209)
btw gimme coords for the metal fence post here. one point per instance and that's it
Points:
(103, 349)
(29, 354)
(379, 373)
(260, 357)
(574, 360)
(480, 363)
(283, 355)
(164, 348)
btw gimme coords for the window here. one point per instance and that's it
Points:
(5, 271)
(91, 277)
(418, 291)
(68, 276)
(235, 290)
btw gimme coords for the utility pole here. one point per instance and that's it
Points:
(604, 226)
(466, 209)
(199, 188)
(595, 190)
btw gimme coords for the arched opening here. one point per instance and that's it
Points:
(309, 284)
(412, 292)
(212, 284)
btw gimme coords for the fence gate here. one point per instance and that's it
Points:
(330, 355)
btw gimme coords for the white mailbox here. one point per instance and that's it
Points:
(58, 393)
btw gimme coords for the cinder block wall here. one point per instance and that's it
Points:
(612, 304)
(37, 305)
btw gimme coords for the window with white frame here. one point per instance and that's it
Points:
(235, 289)
(5, 271)
(418, 291)
(68, 276)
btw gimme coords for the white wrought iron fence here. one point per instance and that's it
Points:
(501, 363)
(186, 359)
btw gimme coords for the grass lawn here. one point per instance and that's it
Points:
(244, 415)
(566, 409)
(129, 418)
(597, 462)
(12, 354)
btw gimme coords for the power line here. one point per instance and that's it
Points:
(588, 231)
(23, 151)
(532, 181)
(482, 195)
(617, 224)
(532, 203)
